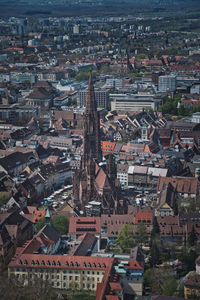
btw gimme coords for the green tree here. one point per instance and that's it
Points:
(188, 257)
(61, 223)
(192, 237)
(156, 229)
(12, 288)
(154, 254)
(125, 238)
(73, 285)
(40, 224)
(141, 236)
(4, 197)
(169, 287)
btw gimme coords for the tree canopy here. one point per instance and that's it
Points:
(61, 223)
(141, 235)
(40, 224)
(11, 288)
(125, 238)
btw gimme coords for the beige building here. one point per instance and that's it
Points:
(134, 102)
(60, 270)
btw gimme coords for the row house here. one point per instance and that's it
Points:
(145, 176)
(185, 186)
(16, 162)
(14, 231)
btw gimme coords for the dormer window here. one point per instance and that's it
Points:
(25, 262)
(99, 266)
(103, 265)
(32, 262)
(94, 265)
(37, 262)
(71, 264)
(58, 263)
(48, 263)
(67, 264)
(89, 265)
(84, 264)
(42, 263)
(53, 263)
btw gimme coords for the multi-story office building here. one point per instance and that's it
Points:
(167, 83)
(101, 97)
(134, 102)
(15, 114)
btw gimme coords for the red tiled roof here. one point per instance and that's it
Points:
(102, 180)
(62, 262)
(112, 297)
(182, 185)
(107, 146)
(144, 217)
(80, 225)
(115, 286)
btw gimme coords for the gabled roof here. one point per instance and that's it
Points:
(181, 184)
(101, 180)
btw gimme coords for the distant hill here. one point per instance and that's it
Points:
(96, 7)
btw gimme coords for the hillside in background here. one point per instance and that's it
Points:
(97, 7)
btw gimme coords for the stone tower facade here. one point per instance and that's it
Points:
(94, 182)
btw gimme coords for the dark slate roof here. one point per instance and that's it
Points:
(88, 242)
(15, 159)
(50, 232)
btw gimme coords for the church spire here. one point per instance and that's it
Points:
(90, 100)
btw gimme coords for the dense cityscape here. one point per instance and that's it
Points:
(99, 151)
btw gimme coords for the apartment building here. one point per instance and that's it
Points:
(101, 97)
(60, 270)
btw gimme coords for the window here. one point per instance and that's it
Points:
(58, 283)
(64, 277)
(76, 278)
(88, 272)
(52, 276)
(64, 284)
(70, 277)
